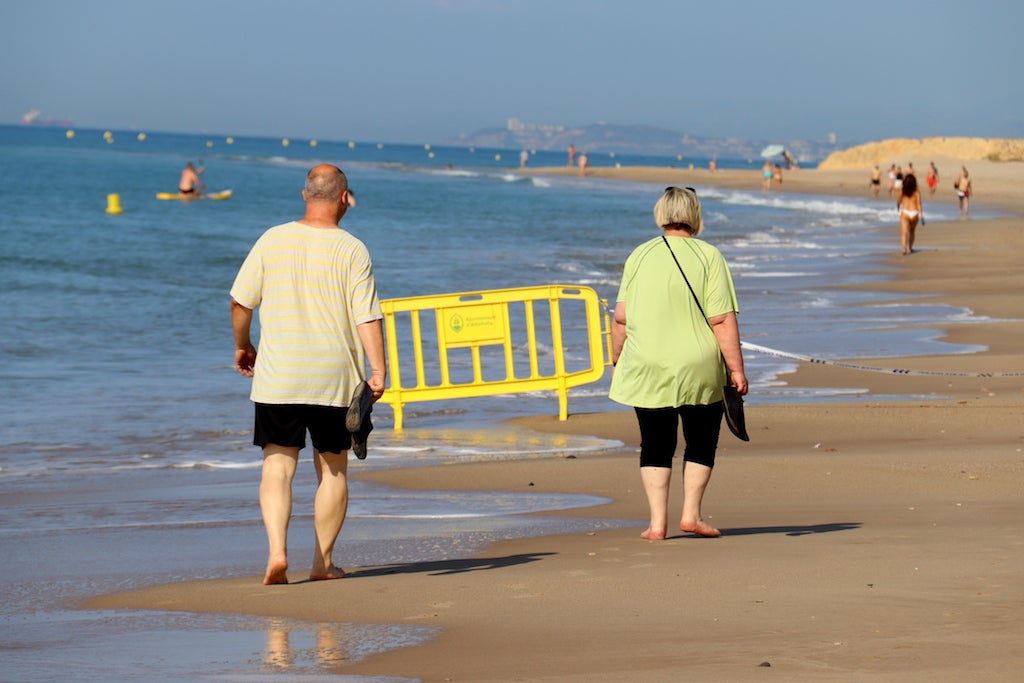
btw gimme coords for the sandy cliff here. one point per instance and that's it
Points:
(899, 150)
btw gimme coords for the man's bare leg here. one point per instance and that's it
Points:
(329, 510)
(695, 480)
(279, 465)
(656, 481)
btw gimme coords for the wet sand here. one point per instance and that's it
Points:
(864, 541)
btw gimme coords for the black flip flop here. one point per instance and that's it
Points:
(357, 421)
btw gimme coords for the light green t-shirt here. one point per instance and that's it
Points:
(313, 287)
(671, 357)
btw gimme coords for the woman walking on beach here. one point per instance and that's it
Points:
(911, 211)
(668, 355)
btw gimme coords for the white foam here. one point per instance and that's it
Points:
(453, 172)
(771, 274)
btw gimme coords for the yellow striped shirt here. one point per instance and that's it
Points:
(313, 287)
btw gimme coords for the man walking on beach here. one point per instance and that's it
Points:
(320, 321)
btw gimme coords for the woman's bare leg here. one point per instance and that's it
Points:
(656, 481)
(695, 481)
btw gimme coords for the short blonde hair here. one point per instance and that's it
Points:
(679, 208)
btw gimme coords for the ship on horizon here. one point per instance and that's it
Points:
(32, 118)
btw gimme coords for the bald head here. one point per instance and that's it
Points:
(325, 183)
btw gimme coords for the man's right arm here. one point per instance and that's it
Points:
(245, 353)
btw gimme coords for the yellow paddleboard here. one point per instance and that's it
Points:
(223, 194)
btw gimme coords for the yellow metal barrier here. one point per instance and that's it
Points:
(494, 342)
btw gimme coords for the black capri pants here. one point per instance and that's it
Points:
(659, 434)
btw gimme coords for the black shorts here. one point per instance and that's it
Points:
(188, 191)
(286, 425)
(659, 433)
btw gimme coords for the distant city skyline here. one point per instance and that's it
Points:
(428, 71)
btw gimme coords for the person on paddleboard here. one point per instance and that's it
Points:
(190, 180)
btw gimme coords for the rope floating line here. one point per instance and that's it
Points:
(854, 366)
(757, 348)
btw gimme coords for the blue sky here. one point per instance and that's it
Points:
(425, 71)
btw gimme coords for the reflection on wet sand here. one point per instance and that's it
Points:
(297, 646)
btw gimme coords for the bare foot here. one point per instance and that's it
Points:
(276, 573)
(651, 535)
(700, 528)
(331, 573)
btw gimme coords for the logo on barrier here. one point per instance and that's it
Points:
(483, 323)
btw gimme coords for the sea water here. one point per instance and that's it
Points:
(125, 456)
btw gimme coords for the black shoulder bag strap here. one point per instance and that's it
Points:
(697, 301)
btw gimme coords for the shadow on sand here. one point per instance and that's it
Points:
(803, 530)
(446, 567)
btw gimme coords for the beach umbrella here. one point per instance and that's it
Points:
(772, 150)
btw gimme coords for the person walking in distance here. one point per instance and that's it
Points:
(963, 191)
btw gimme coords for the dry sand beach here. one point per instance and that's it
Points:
(860, 541)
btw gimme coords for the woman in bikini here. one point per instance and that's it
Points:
(911, 211)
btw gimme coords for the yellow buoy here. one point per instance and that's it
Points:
(113, 204)
(312, 143)
(107, 135)
(70, 134)
(426, 147)
(351, 144)
(679, 157)
(230, 141)
(140, 137)
(209, 143)
(285, 142)
(431, 155)
(497, 157)
(380, 145)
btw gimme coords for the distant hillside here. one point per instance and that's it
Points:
(647, 140)
(899, 150)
